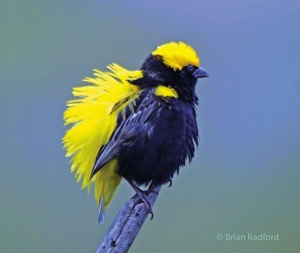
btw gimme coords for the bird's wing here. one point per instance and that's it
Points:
(132, 127)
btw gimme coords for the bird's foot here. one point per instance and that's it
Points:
(142, 195)
(150, 189)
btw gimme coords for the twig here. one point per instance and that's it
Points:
(126, 226)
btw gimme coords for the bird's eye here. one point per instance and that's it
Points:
(190, 67)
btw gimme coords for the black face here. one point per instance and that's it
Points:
(187, 75)
(157, 73)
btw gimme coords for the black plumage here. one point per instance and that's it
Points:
(155, 134)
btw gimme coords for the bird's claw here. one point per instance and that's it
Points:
(141, 195)
(145, 200)
(170, 182)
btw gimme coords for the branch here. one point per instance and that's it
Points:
(126, 226)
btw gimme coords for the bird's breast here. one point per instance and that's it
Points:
(169, 142)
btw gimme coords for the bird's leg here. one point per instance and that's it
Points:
(150, 189)
(141, 194)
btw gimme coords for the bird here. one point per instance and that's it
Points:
(139, 125)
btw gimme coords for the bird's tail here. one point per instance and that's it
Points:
(106, 184)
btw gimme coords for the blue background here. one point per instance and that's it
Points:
(245, 176)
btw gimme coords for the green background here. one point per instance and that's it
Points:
(245, 176)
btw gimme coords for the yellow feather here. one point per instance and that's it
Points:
(177, 55)
(94, 115)
(112, 180)
(164, 91)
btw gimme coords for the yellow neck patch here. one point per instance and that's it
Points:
(163, 91)
(177, 55)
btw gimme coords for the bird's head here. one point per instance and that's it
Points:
(174, 64)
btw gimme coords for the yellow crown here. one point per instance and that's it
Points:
(177, 55)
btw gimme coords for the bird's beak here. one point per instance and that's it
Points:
(200, 73)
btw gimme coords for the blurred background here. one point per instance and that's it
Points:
(245, 176)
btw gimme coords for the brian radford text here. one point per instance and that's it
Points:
(248, 237)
